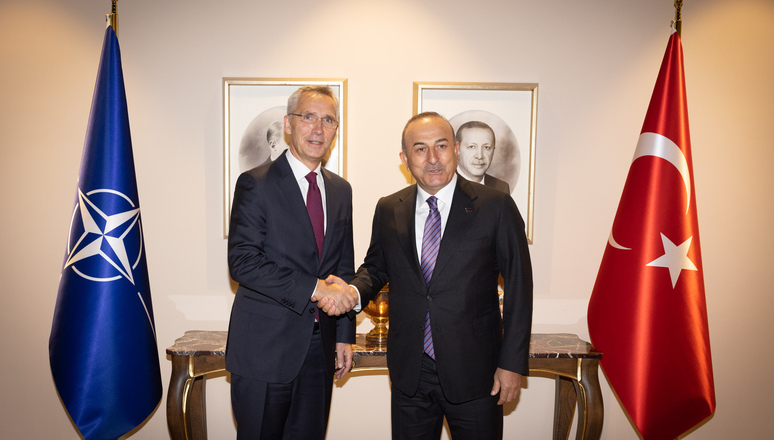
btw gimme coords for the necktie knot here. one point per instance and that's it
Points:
(312, 179)
(432, 201)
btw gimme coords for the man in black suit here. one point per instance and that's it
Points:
(450, 353)
(477, 148)
(291, 227)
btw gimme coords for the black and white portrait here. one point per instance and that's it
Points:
(263, 140)
(489, 152)
(253, 128)
(495, 124)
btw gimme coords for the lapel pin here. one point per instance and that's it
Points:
(468, 210)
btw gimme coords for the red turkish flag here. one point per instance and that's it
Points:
(647, 313)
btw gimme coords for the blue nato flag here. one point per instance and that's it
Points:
(102, 348)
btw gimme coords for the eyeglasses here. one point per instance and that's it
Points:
(311, 119)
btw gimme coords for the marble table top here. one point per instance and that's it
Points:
(542, 345)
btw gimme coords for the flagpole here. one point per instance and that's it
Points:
(678, 21)
(112, 18)
(103, 351)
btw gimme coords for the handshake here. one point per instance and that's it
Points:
(334, 296)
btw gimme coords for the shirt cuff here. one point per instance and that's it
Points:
(359, 306)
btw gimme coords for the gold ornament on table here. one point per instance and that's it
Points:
(378, 310)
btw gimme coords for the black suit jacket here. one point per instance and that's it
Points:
(484, 237)
(272, 254)
(494, 182)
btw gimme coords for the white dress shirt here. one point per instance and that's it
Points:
(299, 172)
(444, 196)
(462, 173)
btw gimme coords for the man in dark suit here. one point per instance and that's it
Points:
(477, 148)
(291, 227)
(498, 184)
(441, 244)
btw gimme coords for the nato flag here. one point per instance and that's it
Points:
(102, 348)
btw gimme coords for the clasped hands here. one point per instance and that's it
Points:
(334, 296)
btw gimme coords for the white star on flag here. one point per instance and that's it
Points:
(675, 258)
(644, 331)
(102, 349)
(112, 223)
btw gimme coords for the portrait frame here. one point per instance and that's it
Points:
(511, 110)
(249, 104)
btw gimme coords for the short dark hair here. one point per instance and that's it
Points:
(473, 124)
(417, 117)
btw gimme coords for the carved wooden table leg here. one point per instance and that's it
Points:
(186, 402)
(195, 355)
(176, 398)
(564, 407)
(572, 362)
(196, 416)
(590, 420)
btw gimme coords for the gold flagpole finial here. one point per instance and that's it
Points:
(677, 23)
(112, 18)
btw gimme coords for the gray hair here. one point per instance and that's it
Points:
(317, 89)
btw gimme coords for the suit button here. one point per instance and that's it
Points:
(429, 298)
(311, 310)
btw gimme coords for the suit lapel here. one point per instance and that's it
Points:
(332, 205)
(461, 214)
(404, 212)
(291, 193)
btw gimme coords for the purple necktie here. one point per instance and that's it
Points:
(431, 241)
(315, 209)
(317, 216)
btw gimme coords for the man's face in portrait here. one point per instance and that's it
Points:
(477, 146)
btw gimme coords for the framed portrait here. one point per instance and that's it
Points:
(253, 130)
(496, 125)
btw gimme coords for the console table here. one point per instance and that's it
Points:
(572, 361)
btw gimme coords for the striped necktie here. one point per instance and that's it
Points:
(431, 241)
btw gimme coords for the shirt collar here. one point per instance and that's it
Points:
(299, 169)
(470, 179)
(444, 195)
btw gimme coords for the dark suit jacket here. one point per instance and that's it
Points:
(272, 254)
(496, 183)
(484, 237)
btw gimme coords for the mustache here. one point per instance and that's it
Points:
(430, 167)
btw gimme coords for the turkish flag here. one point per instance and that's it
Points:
(647, 313)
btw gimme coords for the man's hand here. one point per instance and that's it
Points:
(334, 279)
(343, 359)
(328, 305)
(508, 384)
(334, 299)
(332, 307)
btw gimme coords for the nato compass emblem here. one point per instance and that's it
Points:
(105, 242)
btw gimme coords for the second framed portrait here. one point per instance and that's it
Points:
(253, 130)
(496, 126)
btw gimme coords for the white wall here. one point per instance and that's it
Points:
(596, 62)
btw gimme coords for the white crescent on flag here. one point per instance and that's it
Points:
(654, 144)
